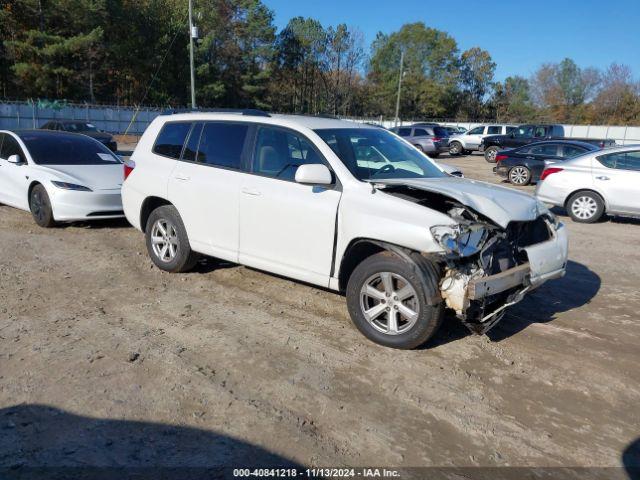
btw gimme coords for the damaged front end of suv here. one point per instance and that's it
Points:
(491, 263)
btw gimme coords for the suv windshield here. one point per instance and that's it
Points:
(66, 149)
(374, 154)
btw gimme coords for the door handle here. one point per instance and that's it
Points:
(179, 176)
(530, 158)
(250, 191)
(602, 177)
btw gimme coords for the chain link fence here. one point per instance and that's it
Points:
(134, 121)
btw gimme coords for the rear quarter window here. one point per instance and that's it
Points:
(171, 139)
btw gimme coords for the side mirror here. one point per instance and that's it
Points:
(15, 159)
(313, 174)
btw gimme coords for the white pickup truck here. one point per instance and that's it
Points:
(471, 140)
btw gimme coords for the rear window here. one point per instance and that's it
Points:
(171, 139)
(221, 144)
(67, 149)
(440, 132)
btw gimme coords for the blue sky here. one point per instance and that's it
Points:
(519, 35)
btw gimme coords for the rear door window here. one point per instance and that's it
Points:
(621, 160)
(476, 131)
(404, 132)
(171, 139)
(420, 132)
(191, 148)
(494, 130)
(550, 150)
(569, 151)
(221, 144)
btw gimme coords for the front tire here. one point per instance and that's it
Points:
(520, 175)
(490, 154)
(167, 241)
(40, 207)
(585, 207)
(455, 149)
(388, 300)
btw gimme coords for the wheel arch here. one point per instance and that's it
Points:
(359, 249)
(149, 205)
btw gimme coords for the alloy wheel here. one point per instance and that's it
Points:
(584, 207)
(491, 155)
(389, 303)
(164, 240)
(519, 175)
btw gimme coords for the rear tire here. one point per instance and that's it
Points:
(40, 207)
(455, 149)
(419, 147)
(388, 300)
(167, 241)
(520, 175)
(585, 207)
(490, 154)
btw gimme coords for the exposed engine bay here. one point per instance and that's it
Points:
(486, 267)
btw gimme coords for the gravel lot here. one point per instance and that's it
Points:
(105, 360)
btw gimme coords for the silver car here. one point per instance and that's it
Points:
(588, 186)
(430, 139)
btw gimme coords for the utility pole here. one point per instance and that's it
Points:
(399, 87)
(192, 34)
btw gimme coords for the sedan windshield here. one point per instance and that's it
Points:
(80, 127)
(66, 149)
(374, 154)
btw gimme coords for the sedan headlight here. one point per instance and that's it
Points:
(463, 240)
(71, 186)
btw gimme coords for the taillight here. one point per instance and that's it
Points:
(128, 168)
(500, 158)
(436, 139)
(548, 171)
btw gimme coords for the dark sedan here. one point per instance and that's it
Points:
(523, 165)
(85, 128)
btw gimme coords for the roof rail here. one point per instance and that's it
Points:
(243, 111)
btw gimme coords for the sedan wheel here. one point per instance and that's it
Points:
(519, 175)
(389, 303)
(40, 207)
(585, 207)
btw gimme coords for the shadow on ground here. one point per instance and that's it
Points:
(631, 459)
(574, 290)
(38, 441)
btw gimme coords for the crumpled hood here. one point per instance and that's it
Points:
(96, 177)
(500, 204)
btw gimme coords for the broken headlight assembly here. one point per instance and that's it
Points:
(461, 239)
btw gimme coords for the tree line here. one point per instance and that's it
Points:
(135, 52)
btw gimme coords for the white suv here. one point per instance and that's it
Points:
(470, 141)
(344, 206)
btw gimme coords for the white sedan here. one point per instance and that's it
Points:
(59, 177)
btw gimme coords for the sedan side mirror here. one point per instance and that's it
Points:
(15, 159)
(313, 174)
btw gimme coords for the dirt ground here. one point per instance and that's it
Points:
(107, 361)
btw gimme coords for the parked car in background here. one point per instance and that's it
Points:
(344, 206)
(524, 165)
(430, 139)
(455, 130)
(59, 176)
(470, 141)
(85, 128)
(526, 134)
(594, 184)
